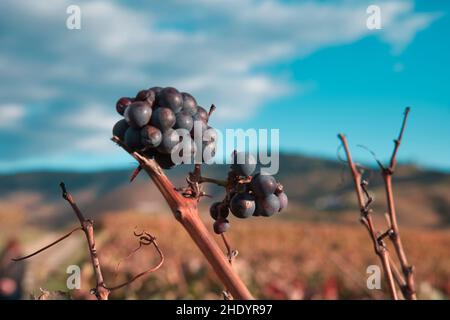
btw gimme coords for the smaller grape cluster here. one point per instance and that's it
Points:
(257, 195)
(155, 122)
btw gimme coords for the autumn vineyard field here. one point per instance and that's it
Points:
(255, 154)
(278, 260)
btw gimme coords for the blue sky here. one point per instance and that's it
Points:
(311, 69)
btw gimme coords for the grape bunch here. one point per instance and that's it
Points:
(257, 195)
(159, 122)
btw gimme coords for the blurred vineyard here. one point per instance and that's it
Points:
(278, 259)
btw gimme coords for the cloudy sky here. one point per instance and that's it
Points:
(311, 69)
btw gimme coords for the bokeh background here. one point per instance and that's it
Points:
(308, 68)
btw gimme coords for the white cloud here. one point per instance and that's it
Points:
(11, 115)
(124, 46)
(93, 124)
(235, 98)
(400, 26)
(93, 117)
(95, 143)
(211, 48)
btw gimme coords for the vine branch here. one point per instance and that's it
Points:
(48, 246)
(185, 211)
(394, 236)
(101, 291)
(366, 218)
(405, 278)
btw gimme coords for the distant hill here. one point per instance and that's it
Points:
(318, 190)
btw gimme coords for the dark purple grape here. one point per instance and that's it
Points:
(268, 205)
(224, 211)
(282, 197)
(138, 114)
(263, 185)
(189, 104)
(141, 95)
(163, 119)
(214, 210)
(219, 210)
(150, 153)
(122, 104)
(146, 96)
(220, 226)
(170, 139)
(243, 163)
(156, 90)
(151, 136)
(170, 98)
(201, 115)
(133, 139)
(120, 128)
(164, 160)
(184, 121)
(242, 205)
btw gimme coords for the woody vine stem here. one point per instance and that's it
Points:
(101, 291)
(184, 206)
(404, 277)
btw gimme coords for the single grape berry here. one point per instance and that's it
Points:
(122, 104)
(170, 139)
(242, 205)
(263, 185)
(220, 226)
(243, 163)
(201, 115)
(120, 128)
(282, 197)
(146, 96)
(219, 210)
(214, 210)
(189, 104)
(170, 98)
(151, 136)
(138, 114)
(224, 211)
(133, 139)
(156, 90)
(163, 119)
(184, 121)
(164, 160)
(268, 205)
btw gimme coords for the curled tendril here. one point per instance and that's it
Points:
(373, 155)
(145, 239)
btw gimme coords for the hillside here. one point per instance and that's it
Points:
(319, 190)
